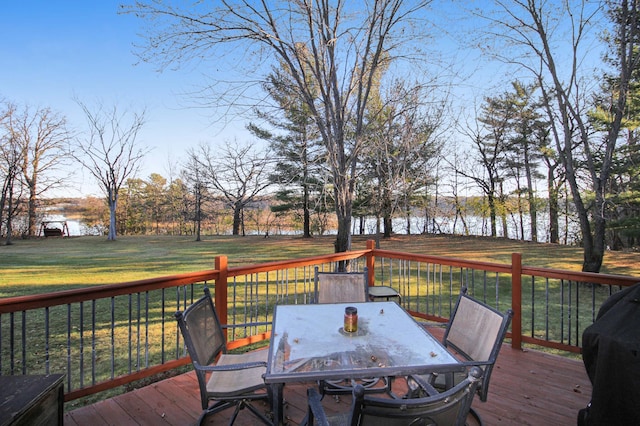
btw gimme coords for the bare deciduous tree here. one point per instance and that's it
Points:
(332, 51)
(237, 172)
(10, 162)
(193, 175)
(488, 141)
(551, 41)
(110, 152)
(402, 145)
(42, 136)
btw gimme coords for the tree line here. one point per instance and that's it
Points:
(287, 187)
(158, 206)
(357, 124)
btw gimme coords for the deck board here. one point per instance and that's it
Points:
(527, 388)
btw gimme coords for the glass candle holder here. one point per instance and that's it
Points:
(350, 319)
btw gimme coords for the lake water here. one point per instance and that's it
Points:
(476, 226)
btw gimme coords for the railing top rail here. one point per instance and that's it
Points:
(296, 263)
(600, 278)
(43, 300)
(441, 260)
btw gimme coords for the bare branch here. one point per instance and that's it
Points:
(110, 151)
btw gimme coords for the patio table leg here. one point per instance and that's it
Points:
(278, 404)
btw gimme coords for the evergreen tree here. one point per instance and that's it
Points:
(298, 151)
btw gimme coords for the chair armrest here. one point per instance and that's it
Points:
(425, 385)
(230, 367)
(315, 412)
(477, 363)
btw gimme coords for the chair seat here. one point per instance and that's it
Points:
(339, 419)
(381, 292)
(226, 383)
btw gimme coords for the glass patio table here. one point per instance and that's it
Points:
(308, 343)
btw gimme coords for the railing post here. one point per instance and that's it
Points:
(371, 261)
(221, 291)
(516, 300)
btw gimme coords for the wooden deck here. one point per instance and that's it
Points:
(527, 388)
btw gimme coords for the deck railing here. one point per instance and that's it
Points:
(107, 336)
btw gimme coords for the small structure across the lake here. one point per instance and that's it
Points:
(54, 228)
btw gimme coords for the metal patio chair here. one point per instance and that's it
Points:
(384, 293)
(450, 407)
(339, 287)
(327, 290)
(345, 287)
(225, 380)
(475, 333)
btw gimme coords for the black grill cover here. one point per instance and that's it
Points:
(611, 355)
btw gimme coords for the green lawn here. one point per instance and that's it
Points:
(50, 264)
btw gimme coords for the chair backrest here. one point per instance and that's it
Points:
(339, 287)
(450, 407)
(203, 337)
(476, 331)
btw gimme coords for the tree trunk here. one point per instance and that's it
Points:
(387, 226)
(3, 200)
(492, 215)
(343, 239)
(505, 225)
(594, 257)
(113, 199)
(33, 202)
(533, 215)
(306, 215)
(343, 214)
(237, 219)
(503, 215)
(198, 212)
(520, 214)
(10, 209)
(554, 210)
(531, 197)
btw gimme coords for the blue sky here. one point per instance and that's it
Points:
(55, 51)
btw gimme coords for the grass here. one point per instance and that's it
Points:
(51, 264)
